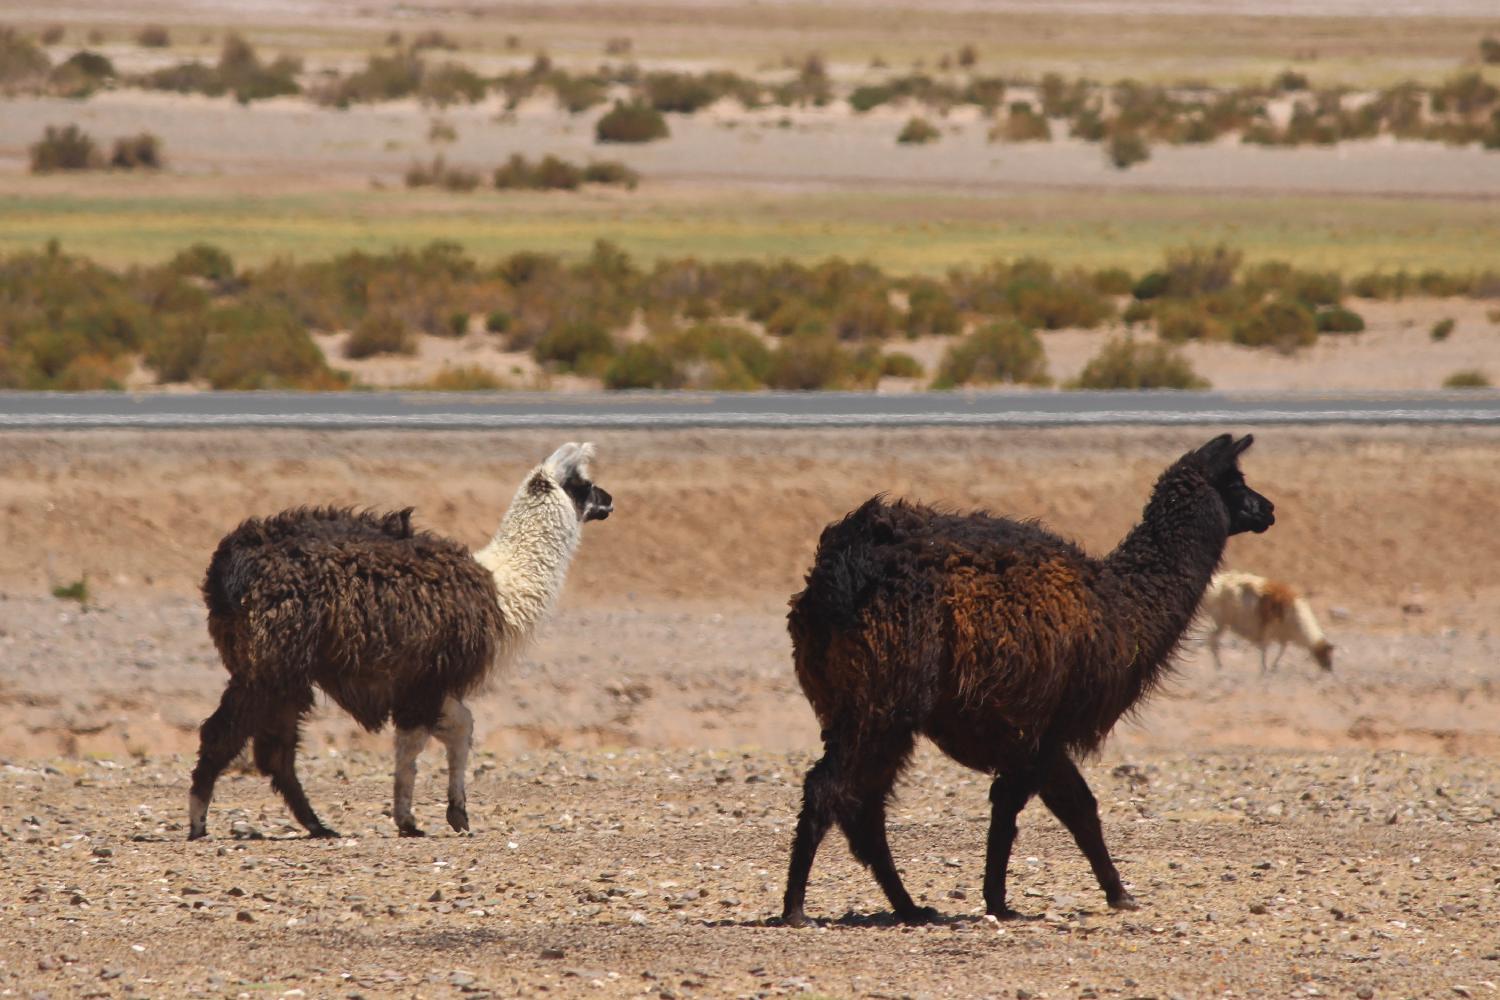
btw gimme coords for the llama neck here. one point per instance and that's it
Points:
(1163, 566)
(529, 556)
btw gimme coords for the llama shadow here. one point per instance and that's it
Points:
(883, 918)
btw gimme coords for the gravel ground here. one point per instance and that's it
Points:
(658, 872)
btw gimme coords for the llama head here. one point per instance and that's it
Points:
(1219, 462)
(568, 468)
(1323, 653)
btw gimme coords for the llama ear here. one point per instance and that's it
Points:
(561, 461)
(1243, 445)
(1216, 448)
(584, 458)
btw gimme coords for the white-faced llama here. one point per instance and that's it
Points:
(1265, 612)
(392, 624)
(1011, 649)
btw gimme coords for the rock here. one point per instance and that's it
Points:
(245, 917)
(553, 953)
(1258, 908)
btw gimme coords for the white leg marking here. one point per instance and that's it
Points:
(409, 744)
(456, 731)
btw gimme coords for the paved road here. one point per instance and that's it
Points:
(353, 411)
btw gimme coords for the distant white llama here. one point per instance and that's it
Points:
(1264, 612)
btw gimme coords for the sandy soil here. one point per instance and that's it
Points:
(1298, 834)
(830, 148)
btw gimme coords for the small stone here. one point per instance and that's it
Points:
(1364, 993)
(638, 918)
(553, 953)
(111, 972)
(104, 852)
(436, 897)
(245, 917)
(957, 894)
(1258, 908)
(244, 831)
(48, 963)
(462, 979)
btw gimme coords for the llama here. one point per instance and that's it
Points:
(1008, 647)
(1262, 611)
(392, 624)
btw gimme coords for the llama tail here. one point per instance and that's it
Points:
(845, 570)
(231, 571)
(1307, 626)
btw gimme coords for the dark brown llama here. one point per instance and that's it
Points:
(392, 624)
(1008, 647)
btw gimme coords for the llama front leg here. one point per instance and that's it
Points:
(1213, 647)
(409, 745)
(276, 742)
(456, 731)
(1008, 796)
(1280, 652)
(1068, 796)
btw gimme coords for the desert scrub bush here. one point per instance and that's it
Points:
(1125, 363)
(547, 174)
(865, 314)
(996, 352)
(1199, 270)
(684, 93)
(388, 77)
(1125, 148)
(1489, 50)
(379, 332)
(1177, 322)
(1467, 378)
(643, 365)
(137, 152)
(1031, 291)
(153, 36)
(930, 309)
(440, 130)
(439, 173)
(1112, 281)
(1022, 124)
(1493, 315)
(1383, 286)
(583, 346)
(1442, 329)
(242, 73)
(80, 75)
(78, 591)
(65, 147)
(21, 60)
(720, 357)
(918, 131)
(1136, 311)
(450, 83)
(634, 122)
(808, 361)
(869, 96)
(463, 378)
(899, 364)
(259, 344)
(611, 172)
(1283, 324)
(1338, 319)
(433, 38)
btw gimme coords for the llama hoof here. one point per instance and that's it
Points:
(1004, 913)
(1125, 902)
(458, 818)
(322, 833)
(919, 915)
(197, 832)
(412, 831)
(794, 919)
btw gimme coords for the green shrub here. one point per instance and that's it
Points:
(80, 74)
(241, 72)
(1442, 329)
(555, 174)
(996, 352)
(918, 131)
(1112, 281)
(1493, 315)
(137, 152)
(1153, 284)
(898, 364)
(1489, 50)
(1022, 124)
(153, 36)
(450, 83)
(1337, 319)
(576, 346)
(258, 344)
(1137, 311)
(21, 61)
(463, 378)
(498, 321)
(721, 357)
(930, 309)
(174, 350)
(643, 365)
(611, 172)
(78, 591)
(64, 147)
(433, 38)
(634, 122)
(439, 173)
(1468, 378)
(203, 260)
(1177, 322)
(1126, 147)
(383, 78)
(380, 333)
(1125, 363)
(869, 96)
(1200, 270)
(1279, 323)
(817, 361)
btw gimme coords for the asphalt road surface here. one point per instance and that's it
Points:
(480, 411)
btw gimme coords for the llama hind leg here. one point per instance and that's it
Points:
(276, 742)
(221, 738)
(1008, 796)
(862, 816)
(1068, 796)
(456, 731)
(820, 791)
